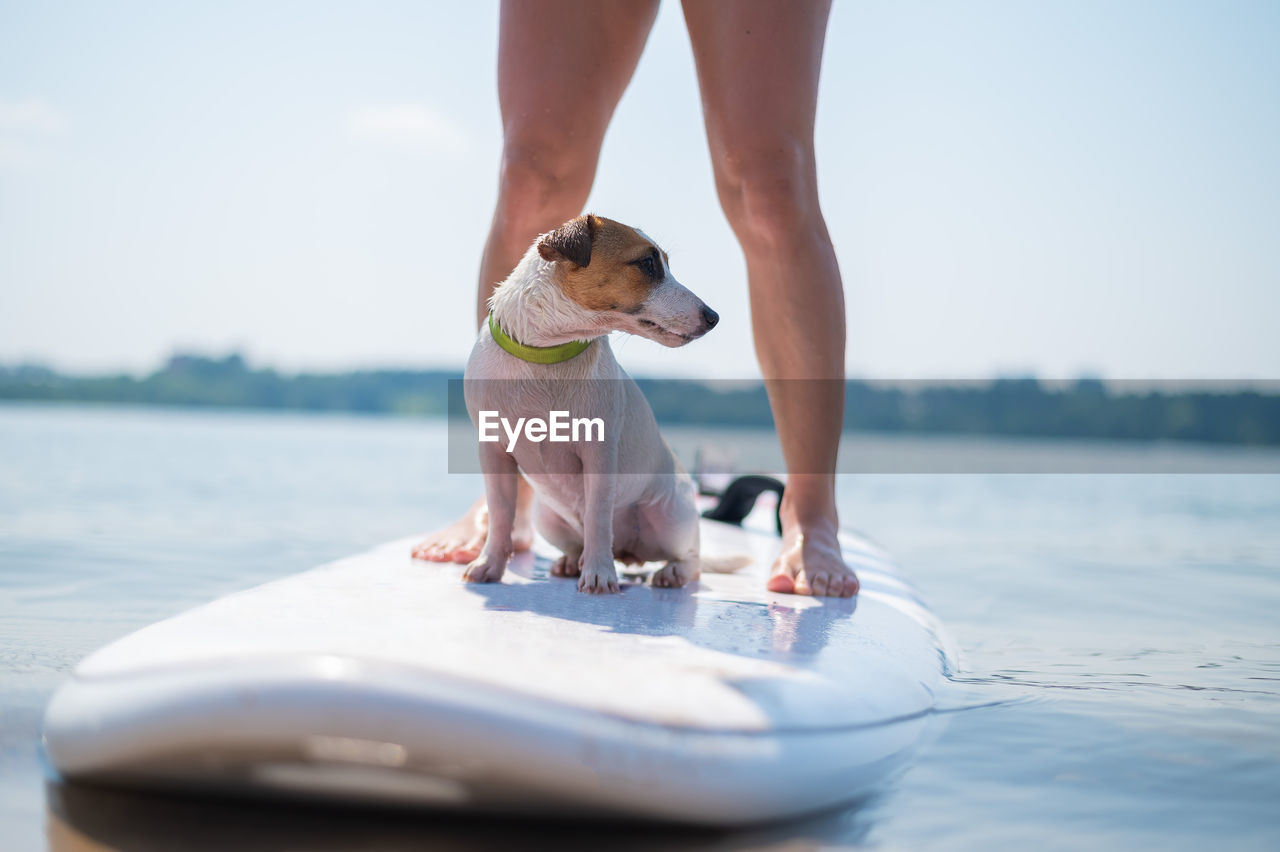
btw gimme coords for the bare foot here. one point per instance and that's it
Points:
(463, 540)
(811, 562)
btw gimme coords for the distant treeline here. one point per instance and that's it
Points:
(1084, 409)
(194, 380)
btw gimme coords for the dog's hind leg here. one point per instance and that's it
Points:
(568, 565)
(669, 526)
(677, 573)
(563, 536)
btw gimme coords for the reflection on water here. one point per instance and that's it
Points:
(88, 819)
(752, 628)
(802, 631)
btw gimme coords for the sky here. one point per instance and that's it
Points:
(1053, 188)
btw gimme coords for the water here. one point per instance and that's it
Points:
(1128, 622)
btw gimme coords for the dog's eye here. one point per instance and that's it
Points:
(646, 265)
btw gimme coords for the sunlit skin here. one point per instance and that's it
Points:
(758, 65)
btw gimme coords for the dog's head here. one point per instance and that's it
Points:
(620, 274)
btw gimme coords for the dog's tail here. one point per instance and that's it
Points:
(724, 563)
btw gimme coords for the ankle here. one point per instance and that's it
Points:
(809, 503)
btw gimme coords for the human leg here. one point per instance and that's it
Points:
(758, 66)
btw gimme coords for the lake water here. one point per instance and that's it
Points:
(1128, 624)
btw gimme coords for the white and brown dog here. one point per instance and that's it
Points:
(546, 348)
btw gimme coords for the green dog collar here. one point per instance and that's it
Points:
(536, 354)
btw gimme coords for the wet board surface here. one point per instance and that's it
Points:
(384, 679)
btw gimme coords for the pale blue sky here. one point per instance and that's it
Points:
(1012, 187)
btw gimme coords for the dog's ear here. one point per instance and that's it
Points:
(571, 241)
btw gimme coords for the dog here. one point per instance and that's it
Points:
(546, 349)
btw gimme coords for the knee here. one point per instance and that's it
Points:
(769, 191)
(543, 182)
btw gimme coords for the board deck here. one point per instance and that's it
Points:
(381, 678)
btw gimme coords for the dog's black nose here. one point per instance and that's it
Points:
(710, 317)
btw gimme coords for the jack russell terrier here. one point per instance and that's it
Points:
(545, 350)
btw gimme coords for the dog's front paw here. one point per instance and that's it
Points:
(598, 579)
(485, 569)
(675, 574)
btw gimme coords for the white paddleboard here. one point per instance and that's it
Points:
(382, 678)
